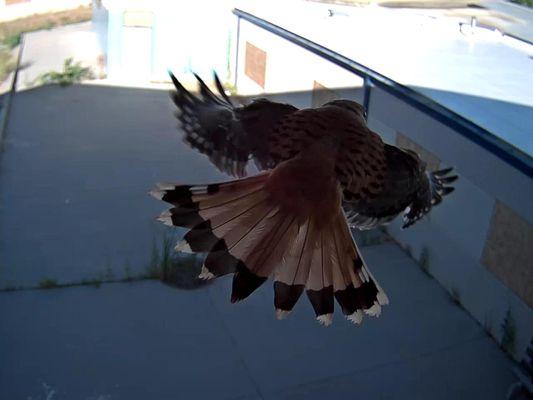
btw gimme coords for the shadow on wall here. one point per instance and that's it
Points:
(509, 121)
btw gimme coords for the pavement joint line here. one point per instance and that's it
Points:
(235, 346)
(97, 282)
(89, 282)
(460, 344)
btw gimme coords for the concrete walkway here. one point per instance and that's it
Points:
(75, 171)
(47, 50)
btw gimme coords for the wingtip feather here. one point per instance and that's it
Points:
(205, 274)
(183, 247)
(356, 317)
(281, 314)
(166, 218)
(374, 311)
(382, 298)
(156, 193)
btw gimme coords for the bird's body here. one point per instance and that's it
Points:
(359, 160)
(290, 223)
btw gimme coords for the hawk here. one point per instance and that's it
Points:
(322, 171)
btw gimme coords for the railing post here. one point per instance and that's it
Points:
(367, 84)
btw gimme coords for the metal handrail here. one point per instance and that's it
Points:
(481, 136)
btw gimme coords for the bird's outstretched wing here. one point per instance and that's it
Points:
(228, 135)
(407, 188)
(270, 132)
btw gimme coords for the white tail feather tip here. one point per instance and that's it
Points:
(281, 314)
(198, 189)
(205, 274)
(374, 311)
(183, 246)
(325, 319)
(356, 317)
(166, 186)
(158, 194)
(165, 218)
(382, 298)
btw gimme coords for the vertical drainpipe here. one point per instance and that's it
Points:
(237, 52)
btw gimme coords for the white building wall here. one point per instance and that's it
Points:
(289, 67)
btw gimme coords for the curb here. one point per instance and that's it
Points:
(4, 111)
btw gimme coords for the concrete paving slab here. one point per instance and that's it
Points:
(451, 374)
(46, 51)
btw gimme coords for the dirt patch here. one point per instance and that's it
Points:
(10, 31)
(7, 63)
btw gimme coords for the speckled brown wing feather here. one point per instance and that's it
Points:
(228, 135)
(406, 187)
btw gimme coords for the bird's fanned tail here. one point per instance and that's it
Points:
(327, 264)
(244, 232)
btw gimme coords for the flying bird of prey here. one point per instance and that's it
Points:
(323, 171)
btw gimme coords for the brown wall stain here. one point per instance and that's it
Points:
(255, 64)
(508, 251)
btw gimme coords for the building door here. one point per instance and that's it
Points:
(137, 46)
(137, 53)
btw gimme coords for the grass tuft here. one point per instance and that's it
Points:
(424, 260)
(455, 295)
(48, 283)
(72, 73)
(96, 282)
(7, 63)
(526, 3)
(179, 270)
(508, 328)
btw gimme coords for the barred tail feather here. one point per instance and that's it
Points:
(234, 223)
(292, 274)
(339, 272)
(326, 263)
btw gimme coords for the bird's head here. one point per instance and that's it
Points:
(349, 105)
